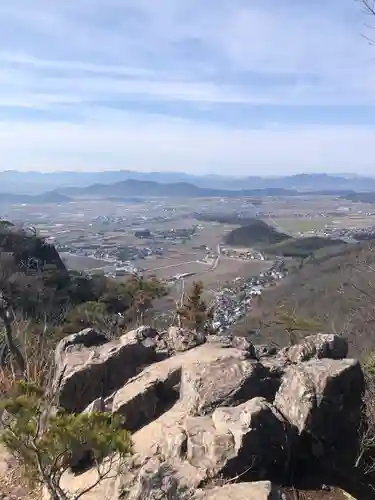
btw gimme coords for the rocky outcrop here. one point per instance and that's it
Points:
(248, 438)
(157, 480)
(322, 399)
(220, 409)
(28, 250)
(180, 340)
(146, 397)
(260, 433)
(86, 372)
(85, 338)
(205, 386)
(317, 346)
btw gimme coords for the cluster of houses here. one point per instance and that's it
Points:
(242, 254)
(233, 303)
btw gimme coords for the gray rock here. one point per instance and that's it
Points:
(263, 351)
(322, 398)
(317, 347)
(180, 339)
(261, 435)
(174, 443)
(230, 381)
(86, 338)
(244, 344)
(251, 437)
(147, 396)
(206, 448)
(222, 340)
(157, 480)
(96, 406)
(82, 452)
(146, 332)
(88, 373)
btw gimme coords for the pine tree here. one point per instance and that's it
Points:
(194, 313)
(45, 441)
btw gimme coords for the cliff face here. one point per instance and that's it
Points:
(33, 278)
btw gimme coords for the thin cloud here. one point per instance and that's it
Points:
(196, 73)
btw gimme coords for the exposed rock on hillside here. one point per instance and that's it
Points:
(28, 250)
(181, 340)
(317, 346)
(215, 411)
(87, 371)
(229, 381)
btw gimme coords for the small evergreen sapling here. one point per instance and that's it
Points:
(44, 441)
(195, 313)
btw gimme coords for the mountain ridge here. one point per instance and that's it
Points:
(34, 182)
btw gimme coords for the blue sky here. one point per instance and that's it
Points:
(223, 86)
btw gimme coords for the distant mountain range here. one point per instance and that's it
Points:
(151, 189)
(136, 190)
(31, 183)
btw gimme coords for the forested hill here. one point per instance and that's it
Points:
(337, 290)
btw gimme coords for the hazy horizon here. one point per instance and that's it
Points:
(250, 87)
(184, 173)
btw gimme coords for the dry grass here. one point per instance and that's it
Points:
(37, 346)
(326, 289)
(7, 380)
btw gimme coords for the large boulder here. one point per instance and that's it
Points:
(180, 339)
(322, 398)
(153, 391)
(261, 435)
(260, 490)
(157, 480)
(89, 337)
(317, 346)
(244, 344)
(264, 350)
(147, 396)
(205, 447)
(89, 368)
(229, 381)
(250, 438)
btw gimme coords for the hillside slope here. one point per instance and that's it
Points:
(132, 187)
(302, 247)
(338, 290)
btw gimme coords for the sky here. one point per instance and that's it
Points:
(242, 87)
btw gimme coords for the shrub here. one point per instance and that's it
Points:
(45, 441)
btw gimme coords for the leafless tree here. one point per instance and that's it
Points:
(369, 9)
(6, 312)
(6, 316)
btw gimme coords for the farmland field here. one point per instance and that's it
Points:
(296, 225)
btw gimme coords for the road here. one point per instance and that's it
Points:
(173, 265)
